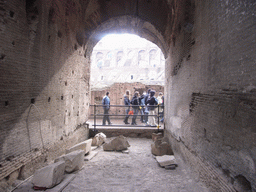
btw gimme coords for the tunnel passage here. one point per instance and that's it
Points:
(209, 48)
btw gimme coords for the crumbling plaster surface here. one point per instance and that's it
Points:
(209, 48)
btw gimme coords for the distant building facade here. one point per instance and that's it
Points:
(145, 65)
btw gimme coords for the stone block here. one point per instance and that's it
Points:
(161, 147)
(50, 175)
(99, 139)
(166, 160)
(85, 145)
(118, 144)
(73, 161)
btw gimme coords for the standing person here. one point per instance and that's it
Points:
(135, 106)
(106, 107)
(150, 102)
(159, 98)
(146, 109)
(142, 106)
(127, 103)
(162, 120)
(160, 103)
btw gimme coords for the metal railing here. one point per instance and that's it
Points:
(156, 108)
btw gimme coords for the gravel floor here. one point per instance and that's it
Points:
(135, 171)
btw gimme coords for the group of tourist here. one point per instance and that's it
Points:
(145, 104)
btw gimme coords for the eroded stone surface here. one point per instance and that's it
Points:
(161, 147)
(73, 161)
(118, 144)
(99, 139)
(50, 175)
(85, 145)
(166, 160)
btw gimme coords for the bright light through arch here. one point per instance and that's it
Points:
(118, 57)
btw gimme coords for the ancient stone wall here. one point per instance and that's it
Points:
(44, 79)
(210, 90)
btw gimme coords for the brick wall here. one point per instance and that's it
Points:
(211, 92)
(44, 80)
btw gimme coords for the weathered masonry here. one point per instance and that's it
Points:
(210, 51)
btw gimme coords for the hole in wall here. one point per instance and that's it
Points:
(13, 43)
(11, 13)
(31, 11)
(59, 34)
(73, 72)
(49, 99)
(2, 56)
(6, 103)
(66, 83)
(51, 15)
(49, 37)
(32, 101)
(61, 97)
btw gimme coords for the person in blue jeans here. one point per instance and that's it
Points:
(126, 103)
(106, 107)
(135, 107)
(142, 106)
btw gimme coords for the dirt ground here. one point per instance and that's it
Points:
(136, 171)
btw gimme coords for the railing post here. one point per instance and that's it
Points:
(94, 118)
(158, 118)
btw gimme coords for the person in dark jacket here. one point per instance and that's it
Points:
(135, 107)
(127, 103)
(151, 103)
(142, 106)
(146, 108)
(106, 107)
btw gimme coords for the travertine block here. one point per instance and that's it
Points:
(73, 161)
(118, 144)
(161, 147)
(99, 139)
(50, 175)
(85, 145)
(166, 160)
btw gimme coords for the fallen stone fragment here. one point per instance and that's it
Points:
(73, 161)
(118, 144)
(166, 160)
(49, 176)
(161, 147)
(90, 155)
(99, 139)
(85, 145)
